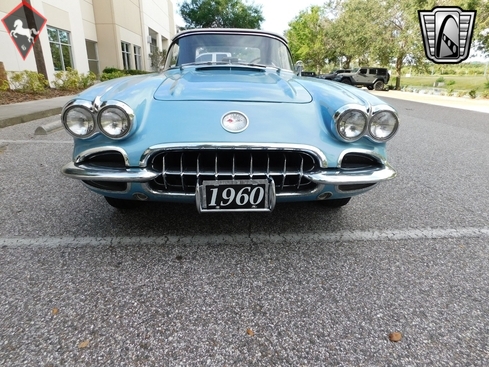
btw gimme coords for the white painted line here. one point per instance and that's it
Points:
(242, 239)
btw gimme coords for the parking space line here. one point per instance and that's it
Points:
(243, 239)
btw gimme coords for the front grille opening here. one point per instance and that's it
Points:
(110, 159)
(360, 161)
(181, 170)
(355, 187)
(108, 186)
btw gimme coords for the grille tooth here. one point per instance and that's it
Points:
(301, 173)
(182, 169)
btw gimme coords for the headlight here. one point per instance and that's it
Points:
(350, 123)
(115, 120)
(383, 124)
(78, 121)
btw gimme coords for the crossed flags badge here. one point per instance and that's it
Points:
(23, 25)
(447, 33)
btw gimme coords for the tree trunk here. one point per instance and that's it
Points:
(398, 71)
(38, 54)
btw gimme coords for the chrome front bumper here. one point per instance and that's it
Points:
(323, 177)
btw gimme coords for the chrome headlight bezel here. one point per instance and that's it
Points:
(85, 108)
(377, 113)
(94, 112)
(122, 110)
(346, 112)
(371, 117)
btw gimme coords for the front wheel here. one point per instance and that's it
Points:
(346, 81)
(122, 203)
(335, 203)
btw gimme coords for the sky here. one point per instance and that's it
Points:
(278, 13)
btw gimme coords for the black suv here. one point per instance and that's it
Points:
(372, 78)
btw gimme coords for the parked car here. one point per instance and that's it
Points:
(236, 135)
(372, 78)
(333, 74)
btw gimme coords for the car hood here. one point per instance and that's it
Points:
(232, 83)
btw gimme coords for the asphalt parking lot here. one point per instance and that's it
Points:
(84, 284)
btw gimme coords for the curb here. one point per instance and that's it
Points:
(29, 117)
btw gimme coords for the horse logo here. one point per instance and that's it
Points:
(26, 22)
(19, 29)
(447, 33)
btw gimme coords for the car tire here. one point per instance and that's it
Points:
(379, 85)
(346, 81)
(122, 203)
(335, 203)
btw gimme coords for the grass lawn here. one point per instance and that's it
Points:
(476, 82)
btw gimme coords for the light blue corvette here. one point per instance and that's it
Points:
(230, 126)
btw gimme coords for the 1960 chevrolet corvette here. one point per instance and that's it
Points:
(230, 125)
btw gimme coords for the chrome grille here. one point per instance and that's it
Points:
(182, 169)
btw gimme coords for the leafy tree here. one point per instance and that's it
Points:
(220, 14)
(307, 37)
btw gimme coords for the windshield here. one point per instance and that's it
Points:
(229, 48)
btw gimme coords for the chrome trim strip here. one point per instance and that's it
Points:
(342, 177)
(320, 156)
(85, 154)
(92, 173)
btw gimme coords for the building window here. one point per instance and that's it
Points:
(137, 58)
(126, 55)
(92, 55)
(59, 41)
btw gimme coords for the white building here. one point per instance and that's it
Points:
(89, 35)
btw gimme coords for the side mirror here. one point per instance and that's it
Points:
(299, 66)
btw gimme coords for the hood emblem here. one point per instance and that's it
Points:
(234, 122)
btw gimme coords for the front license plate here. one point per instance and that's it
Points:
(236, 195)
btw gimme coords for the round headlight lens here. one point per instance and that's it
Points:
(79, 122)
(114, 122)
(351, 124)
(383, 125)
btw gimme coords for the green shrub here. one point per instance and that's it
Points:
(472, 93)
(112, 75)
(28, 81)
(110, 70)
(440, 79)
(450, 82)
(485, 94)
(72, 80)
(5, 86)
(486, 85)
